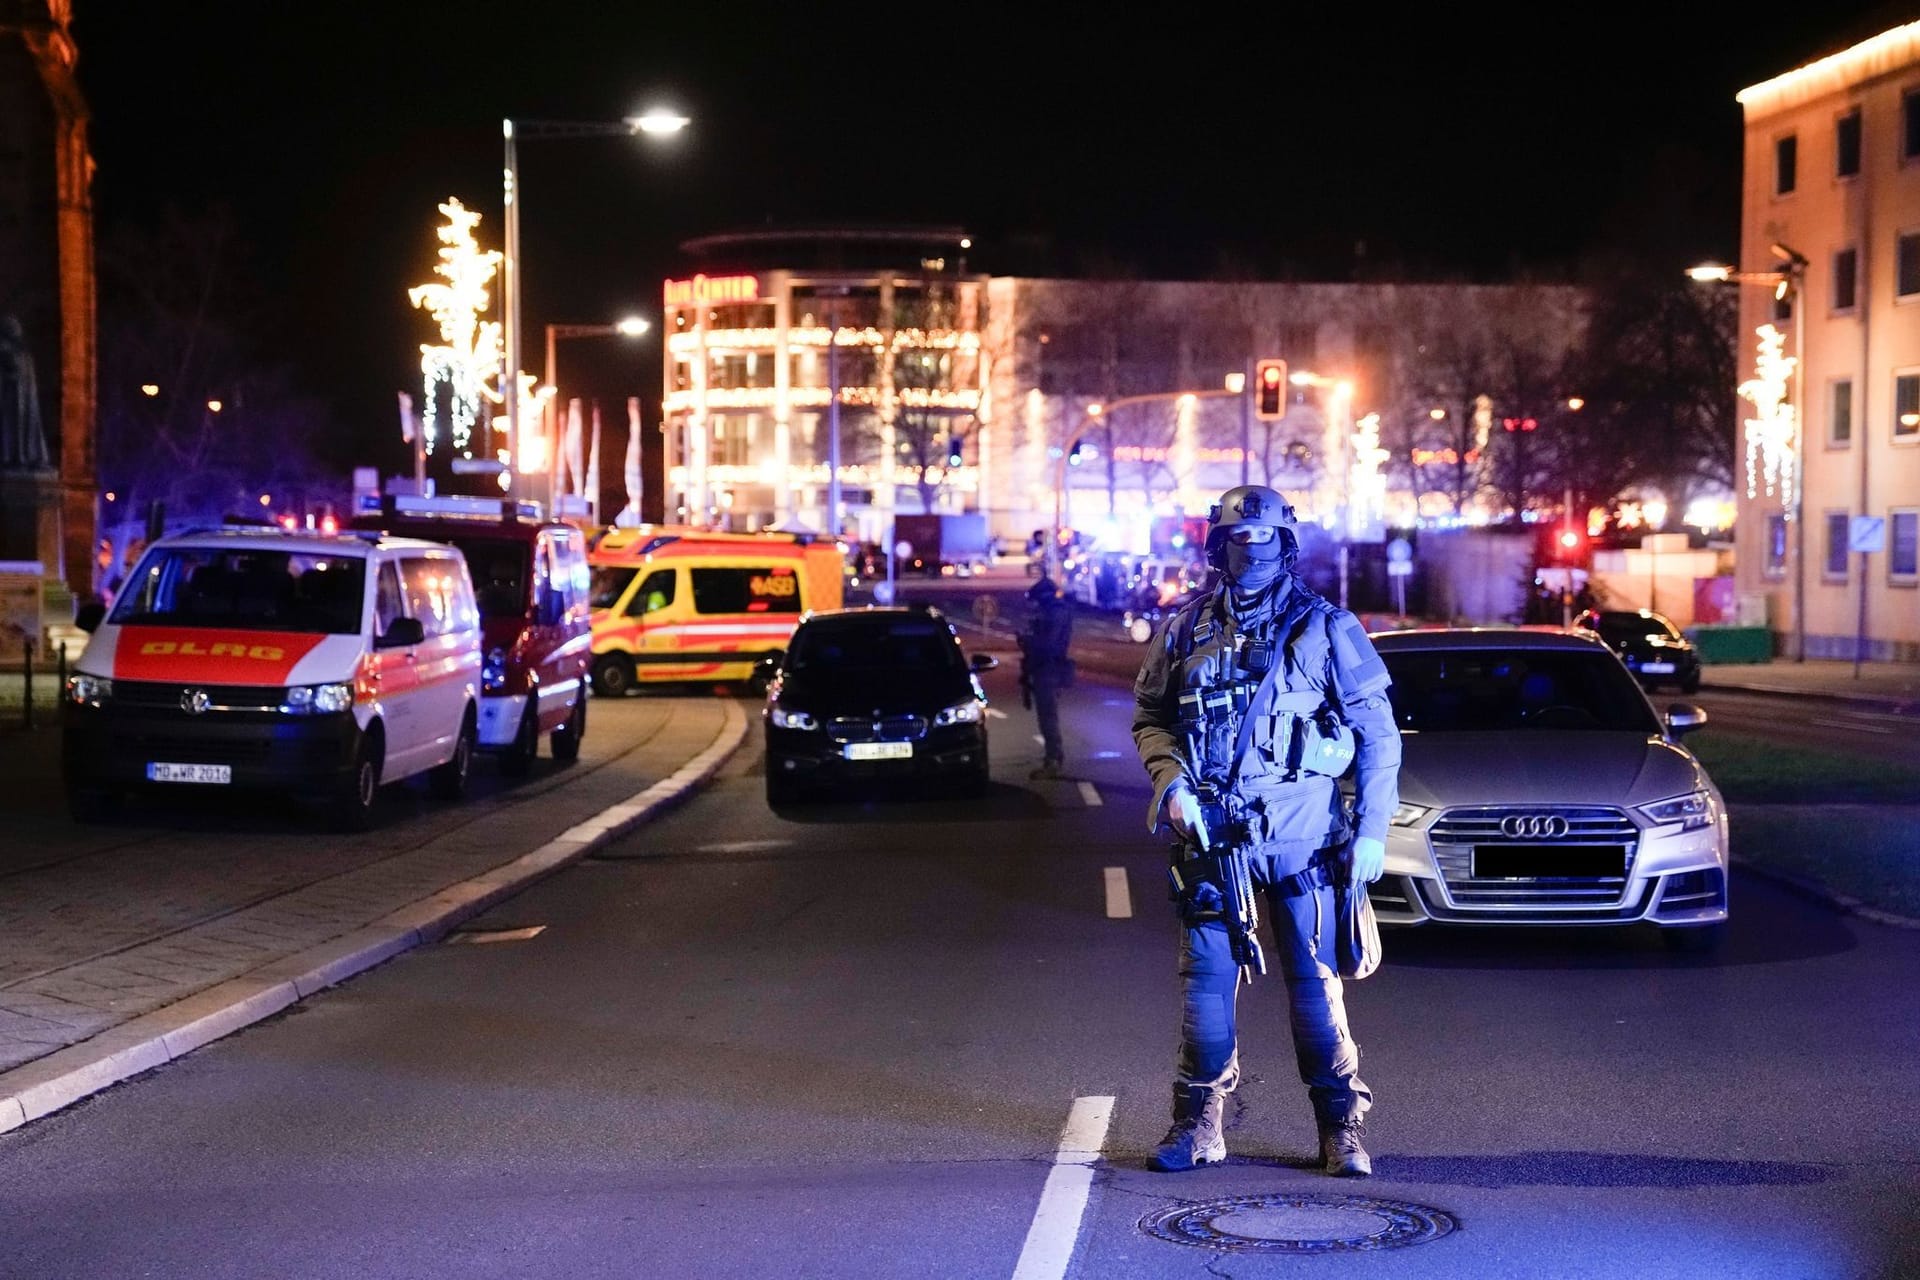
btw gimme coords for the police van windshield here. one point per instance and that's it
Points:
(1463, 690)
(247, 589)
(499, 567)
(875, 644)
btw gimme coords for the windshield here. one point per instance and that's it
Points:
(609, 584)
(1459, 690)
(1631, 626)
(904, 644)
(499, 569)
(250, 589)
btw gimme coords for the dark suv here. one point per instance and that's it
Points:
(1652, 647)
(878, 695)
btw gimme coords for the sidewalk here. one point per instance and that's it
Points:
(1895, 683)
(123, 946)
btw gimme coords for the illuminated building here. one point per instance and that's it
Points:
(1008, 369)
(1832, 154)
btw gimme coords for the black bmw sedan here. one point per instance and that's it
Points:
(876, 695)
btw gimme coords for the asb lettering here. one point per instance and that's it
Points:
(773, 585)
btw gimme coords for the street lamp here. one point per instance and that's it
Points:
(655, 123)
(1788, 284)
(629, 327)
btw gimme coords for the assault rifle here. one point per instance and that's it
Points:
(1217, 858)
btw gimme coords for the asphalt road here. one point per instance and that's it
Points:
(844, 1042)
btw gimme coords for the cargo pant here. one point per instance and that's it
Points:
(1328, 1058)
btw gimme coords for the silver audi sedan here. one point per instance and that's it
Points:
(1540, 787)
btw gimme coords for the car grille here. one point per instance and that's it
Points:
(146, 693)
(191, 749)
(882, 729)
(1460, 831)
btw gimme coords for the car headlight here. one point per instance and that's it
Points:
(317, 699)
(88, 691)
(785, 719)
(960, 713)
(1692, 811)
(493, 672)
(1408, 815)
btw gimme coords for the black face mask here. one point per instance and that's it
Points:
(1255, 567)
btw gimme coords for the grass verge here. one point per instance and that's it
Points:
(1748, 770)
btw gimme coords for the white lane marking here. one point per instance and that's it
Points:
(476, 937)
(1119, 897)
(1853, 724)
(743, 846)
(1063, 1201)
(1090, 794)
(996, 713)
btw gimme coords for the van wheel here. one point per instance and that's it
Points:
(567, 738)
(612, 675)
(352, 807)
(519, 756)
(449, 781)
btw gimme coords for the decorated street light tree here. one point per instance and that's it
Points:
(461, 374)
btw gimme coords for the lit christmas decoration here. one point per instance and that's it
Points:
(1773, 435)
(1367, 487)
(468, 356)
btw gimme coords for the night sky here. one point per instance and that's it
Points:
(1459, 144)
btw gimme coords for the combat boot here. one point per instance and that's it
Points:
(1197, 1136)
(1340, 1151)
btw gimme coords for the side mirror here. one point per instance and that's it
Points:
(404, 633)
(984, 662)
(88, 617)
(1684, 717)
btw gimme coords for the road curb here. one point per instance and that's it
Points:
(1814, 891)
(63, 1078)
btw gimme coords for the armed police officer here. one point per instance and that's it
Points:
(1252, 700)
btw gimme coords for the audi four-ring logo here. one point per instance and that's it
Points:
(1534, 826)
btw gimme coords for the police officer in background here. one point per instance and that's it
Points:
(1045, 668)
(1203, 672)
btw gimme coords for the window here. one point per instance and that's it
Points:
(1786, 156)
(1907, 265)
(654, 594)
(1840, 413)
(1846, 144)
(610, 582)
(1846, 276)
(1835, 568)
(1910, 125)
(1903, 545)
(1776, 559)
(239, 589)
(759, 590)
(438, 594)
(1906, 406)
(388, 605)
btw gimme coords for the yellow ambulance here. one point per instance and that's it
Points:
(674, 604)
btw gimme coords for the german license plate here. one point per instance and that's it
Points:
(216, 773)
(1549, 861)
(1658, 668)
(879, 751)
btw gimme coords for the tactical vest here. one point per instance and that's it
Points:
(1297, 738)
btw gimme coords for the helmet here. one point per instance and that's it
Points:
(1255, 505)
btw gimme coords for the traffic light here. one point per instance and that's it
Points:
(1270, 389)
(1570, 543)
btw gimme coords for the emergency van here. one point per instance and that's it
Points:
(530, 578)
(324, 666)
(698, 605)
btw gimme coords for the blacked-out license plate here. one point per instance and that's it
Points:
(1548, 861)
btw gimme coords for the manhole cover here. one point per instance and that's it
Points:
(1303, 1223)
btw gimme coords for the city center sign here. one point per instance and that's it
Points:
(706, 291)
